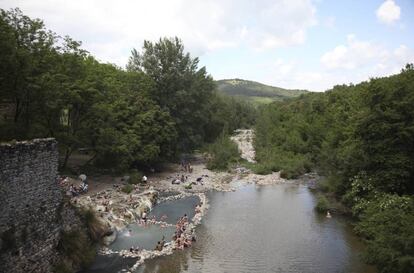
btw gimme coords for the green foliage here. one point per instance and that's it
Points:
(135, 177)
(223, 152)
(128, 188)
(76, 247)
(180, 87)
(162, 105)
(96, 229)
(387, 226)
(360, 137)
(322, 204)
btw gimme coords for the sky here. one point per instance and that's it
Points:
(304, 44)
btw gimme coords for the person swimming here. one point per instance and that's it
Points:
(328, 214)
(128, 233)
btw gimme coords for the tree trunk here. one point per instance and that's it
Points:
(68, 152)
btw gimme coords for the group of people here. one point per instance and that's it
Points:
(75, 191)
(186, 167)
(180, 238)
(179, 180)
(198, 208)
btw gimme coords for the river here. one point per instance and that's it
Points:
(266, 229)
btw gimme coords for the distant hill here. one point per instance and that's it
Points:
(256, 91)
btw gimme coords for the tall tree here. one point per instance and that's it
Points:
(180, 86)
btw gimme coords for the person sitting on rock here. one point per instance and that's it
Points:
(187, 242)
(72, 190)
(159, 246)
(84, 187)
(144, 217)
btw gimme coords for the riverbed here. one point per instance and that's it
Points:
(266, 229)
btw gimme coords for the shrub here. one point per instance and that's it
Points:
(322, 204)
(75, 246)
(223, 152)
(387, 227)
(135, 177)
(128, 188)
(262, 168)
(96, 228)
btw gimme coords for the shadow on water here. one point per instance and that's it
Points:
(110, 264)
(266, 229)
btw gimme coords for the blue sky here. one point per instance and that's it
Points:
(307, 44)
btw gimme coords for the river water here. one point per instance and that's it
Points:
(266, 229)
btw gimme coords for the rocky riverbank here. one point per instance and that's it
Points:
(117, 209)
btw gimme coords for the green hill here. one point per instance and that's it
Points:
(256, 91)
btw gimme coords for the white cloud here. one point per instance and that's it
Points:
(359, 55)
(109, 29)
(355, 54)
(360, 60)
(388, 12)
(352, 62)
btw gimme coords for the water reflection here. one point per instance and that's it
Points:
(270, 229)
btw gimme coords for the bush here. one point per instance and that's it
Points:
(128, 188)
(96, 228)
(261, 169)
(135, 177)
(76, 247)
(387, 227)
(322, 204)
(223, 152)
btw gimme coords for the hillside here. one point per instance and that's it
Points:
(256, 91)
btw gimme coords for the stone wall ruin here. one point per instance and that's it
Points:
(30, 206)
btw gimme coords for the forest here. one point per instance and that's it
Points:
(161, 105)
(361, 139)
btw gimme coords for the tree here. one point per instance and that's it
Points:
(181, 87)
(26, 51)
